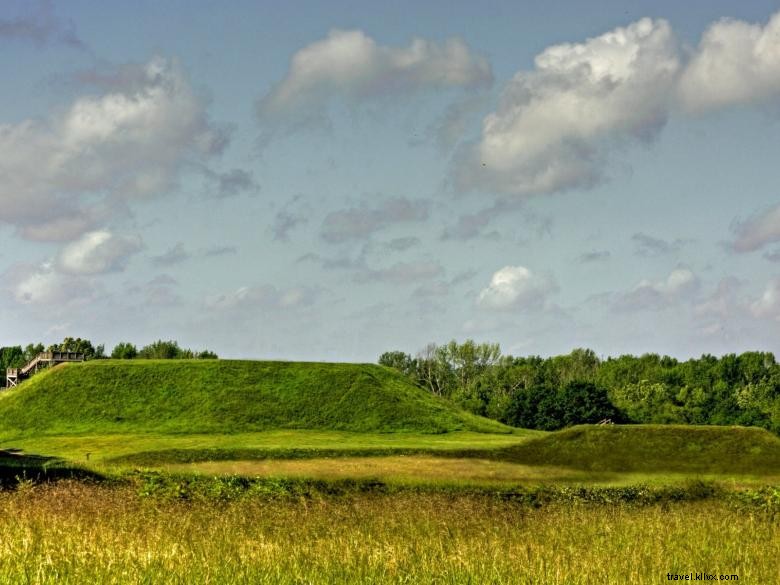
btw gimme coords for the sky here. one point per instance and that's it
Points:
(332, 180)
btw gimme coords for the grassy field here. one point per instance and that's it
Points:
(225, 396)
(451, 472)
(74, 533)
(588, 455)
(653, 448)
(271, 472)
(158, 448)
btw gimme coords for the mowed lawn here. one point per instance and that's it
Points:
(101, 448)
(616, 456)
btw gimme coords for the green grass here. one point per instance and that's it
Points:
(158, 448)
(223, 396)
(452, 472)
(271, 472)
(653, 449)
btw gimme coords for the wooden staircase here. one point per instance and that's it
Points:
(43, 360)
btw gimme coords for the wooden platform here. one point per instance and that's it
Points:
(43, 360)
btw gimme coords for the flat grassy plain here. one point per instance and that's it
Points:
(75, 533)
(154, 448)
(451, 472)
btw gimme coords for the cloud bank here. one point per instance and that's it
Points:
(61, 176)
(557, 125)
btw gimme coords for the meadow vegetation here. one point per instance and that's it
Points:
(206, 471)
(76, 533)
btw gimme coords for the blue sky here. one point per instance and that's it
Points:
(332, 180)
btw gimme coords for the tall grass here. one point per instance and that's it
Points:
(77, 533)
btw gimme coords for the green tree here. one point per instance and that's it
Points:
(161, 350)
(124, 350)
(398, 360)
(31, 350)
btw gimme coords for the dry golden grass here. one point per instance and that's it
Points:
(76, 533)
(423, 469)
(399, 468)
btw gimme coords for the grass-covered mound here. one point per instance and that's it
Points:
(225, 396)
(654, 448)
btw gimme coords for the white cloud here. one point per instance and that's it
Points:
(516, 287)
(768, 305)
(735, 63)
(758, 231)
(44, 285)
(98, 252)
(102, 151)
(648, 294)
(352, 65)
(554, 124)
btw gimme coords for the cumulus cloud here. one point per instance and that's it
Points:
(350, 64)
(358, 223)
(45, 285)
(648, 294)
(516, 287)
(555, 123)
(757, 231)
(102, 151)
(735, 63)
(98, 252)
(265, 297)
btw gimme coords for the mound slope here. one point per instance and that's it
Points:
(226, 396)
(654, 448)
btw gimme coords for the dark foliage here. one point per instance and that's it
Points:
(561, 391)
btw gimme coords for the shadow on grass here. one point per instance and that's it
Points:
(173, 456)
(17, 467)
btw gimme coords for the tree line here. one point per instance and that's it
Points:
(555, 392)
(16, 356)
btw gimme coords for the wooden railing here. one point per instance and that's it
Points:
(13, 375)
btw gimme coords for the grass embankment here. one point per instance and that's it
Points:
(588, 455)
(226, 396)
(74, 533)
(653, 449)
